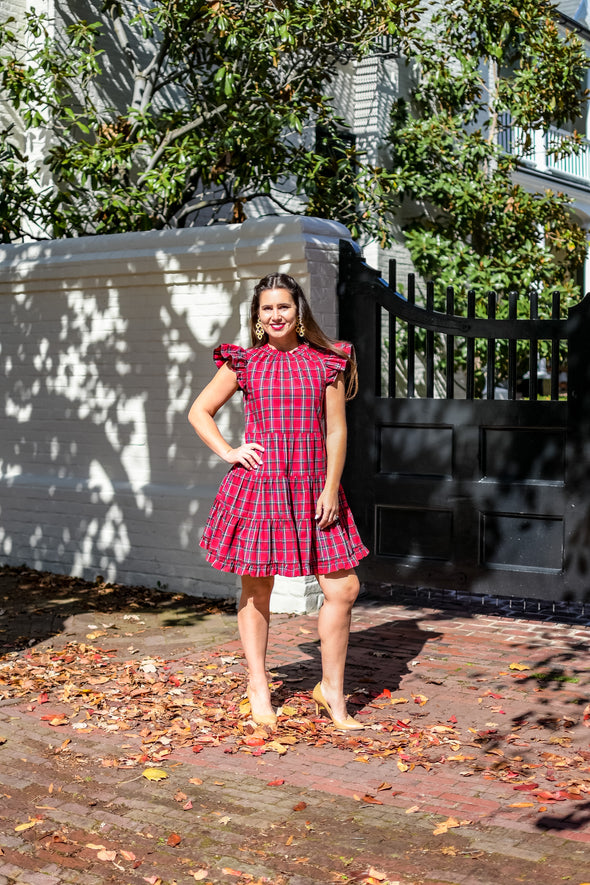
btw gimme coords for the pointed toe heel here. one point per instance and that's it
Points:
(261, 718)
(348, 724)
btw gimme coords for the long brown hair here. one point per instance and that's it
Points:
(314, 335)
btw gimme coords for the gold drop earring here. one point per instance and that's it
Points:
(259, 331)
(300, 328)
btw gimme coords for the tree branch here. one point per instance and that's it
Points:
(173, 135)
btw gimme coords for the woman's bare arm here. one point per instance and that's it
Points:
(202, 417)
(327, 503)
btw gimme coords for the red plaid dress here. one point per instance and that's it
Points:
(262, 520)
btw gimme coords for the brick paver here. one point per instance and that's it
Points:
(473, 715)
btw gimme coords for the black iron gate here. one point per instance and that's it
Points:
(488, 495)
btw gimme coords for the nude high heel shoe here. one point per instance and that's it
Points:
(261, 718)
(349, 723)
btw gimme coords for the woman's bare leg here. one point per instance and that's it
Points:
(253, 622)
(340, 592)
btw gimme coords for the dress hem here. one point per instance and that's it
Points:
(270, 570)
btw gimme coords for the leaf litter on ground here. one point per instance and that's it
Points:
(199, 703)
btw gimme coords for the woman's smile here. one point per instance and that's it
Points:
(278, 314)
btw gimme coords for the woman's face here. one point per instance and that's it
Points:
(278, 314)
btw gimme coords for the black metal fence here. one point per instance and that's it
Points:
(455, 327)
(452, 489)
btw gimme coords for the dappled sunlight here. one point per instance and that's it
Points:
(107, 342)
(101, 372)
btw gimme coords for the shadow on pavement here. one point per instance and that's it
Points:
(378, 657)
(575, 820)
(36, 606)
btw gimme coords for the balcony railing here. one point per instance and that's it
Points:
(539, 151)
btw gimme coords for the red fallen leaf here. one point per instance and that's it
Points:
(229, 872)
(197, 748)
(173, 840)
(278, 782)
(525, 788)
(187, 806)
(586, 716)
(254, 742)
(453, 718)
(384, 694)
(300, 806)
(43, 698)
(545, 795)
(174, 681)
(371, 800)
(48, 716)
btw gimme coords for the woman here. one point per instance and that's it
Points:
(280, 509)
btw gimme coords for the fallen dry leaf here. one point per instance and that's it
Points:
(173, 840)
(371, 800)
(448, 824)
(104, 854)
(154, 774)
(276, 747)
(516, 666)
(300, 806)
(30, 823)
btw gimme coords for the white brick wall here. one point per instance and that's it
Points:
(105, 341)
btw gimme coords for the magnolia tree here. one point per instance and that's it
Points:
(490, 78)
(218, 103)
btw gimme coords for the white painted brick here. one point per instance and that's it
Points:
(105, 341)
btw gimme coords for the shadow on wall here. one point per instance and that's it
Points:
(98, 463)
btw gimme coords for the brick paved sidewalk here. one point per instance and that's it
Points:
(477, 727)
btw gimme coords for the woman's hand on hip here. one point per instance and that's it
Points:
(327, 509)
(246, 455)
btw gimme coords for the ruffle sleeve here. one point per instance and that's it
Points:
(236, 358)
(335, 364)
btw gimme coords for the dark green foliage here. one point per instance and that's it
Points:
(220, 102)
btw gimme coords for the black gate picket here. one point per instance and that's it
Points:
(488, 495)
